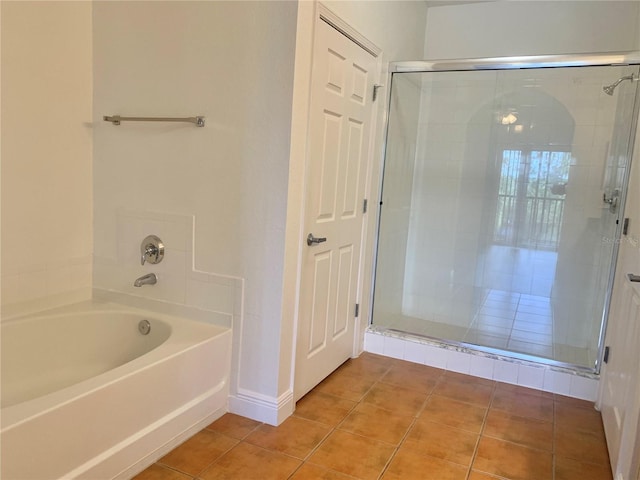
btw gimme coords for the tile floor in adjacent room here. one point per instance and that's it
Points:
(377, 417)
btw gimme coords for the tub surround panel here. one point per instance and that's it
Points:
(46, 140)
(479, 364)
(182, 311)
(40, 304)
(179, 284)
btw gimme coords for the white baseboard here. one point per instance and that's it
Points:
(262, 408)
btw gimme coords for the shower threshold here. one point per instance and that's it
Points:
(400, 339)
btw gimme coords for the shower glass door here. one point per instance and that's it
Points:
(501, 207)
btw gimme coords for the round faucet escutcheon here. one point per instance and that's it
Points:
(151, 250)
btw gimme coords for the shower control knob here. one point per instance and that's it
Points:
(151, 250)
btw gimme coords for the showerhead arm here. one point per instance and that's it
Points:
(609, 89)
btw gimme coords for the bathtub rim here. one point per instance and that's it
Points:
(180, 340)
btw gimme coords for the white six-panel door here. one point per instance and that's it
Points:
(340, 126)
(620, 389)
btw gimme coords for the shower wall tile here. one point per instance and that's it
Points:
(46, 286)
(213, 294)
(46, 168)
(19, 287)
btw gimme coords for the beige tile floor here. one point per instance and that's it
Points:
(380, 418)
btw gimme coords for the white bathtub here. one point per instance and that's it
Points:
(86, 395)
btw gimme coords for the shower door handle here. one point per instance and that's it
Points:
(311, 240)
(612, 200)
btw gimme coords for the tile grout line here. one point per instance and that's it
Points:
(482, 427)
(168, 467)
(406, 434)
(397, 447)
(553, 442)
(513, 322)
(238, 441)
(229, 449)
(334, 428)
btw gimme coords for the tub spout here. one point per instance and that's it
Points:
(148, 279)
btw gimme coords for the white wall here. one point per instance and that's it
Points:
(46, 154)
(233, 63)
(217, 196)
(630, 246)
(510, 28)
(396, 26)
(630, 249)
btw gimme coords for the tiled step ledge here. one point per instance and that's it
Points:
(564, 381)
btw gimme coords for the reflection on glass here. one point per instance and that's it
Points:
(531, 198)
(493, 224)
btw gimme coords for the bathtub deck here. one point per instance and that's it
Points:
(377, 417)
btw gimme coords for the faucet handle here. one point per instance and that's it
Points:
(151, 250)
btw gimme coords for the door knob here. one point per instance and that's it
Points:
(311, 240)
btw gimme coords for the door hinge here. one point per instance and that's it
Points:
(357, 312)
(365, 205)
(605, 358)
(375, 92)
(625, 227)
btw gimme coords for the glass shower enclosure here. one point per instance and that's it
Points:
(501, 205)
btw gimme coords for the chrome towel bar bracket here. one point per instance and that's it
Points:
(116, 119)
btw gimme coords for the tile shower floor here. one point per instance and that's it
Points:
(507, 321)
(377, 417)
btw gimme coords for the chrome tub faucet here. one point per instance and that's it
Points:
(148, 279)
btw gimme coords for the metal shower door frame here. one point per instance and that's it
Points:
(611, 59)
(517, 63)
